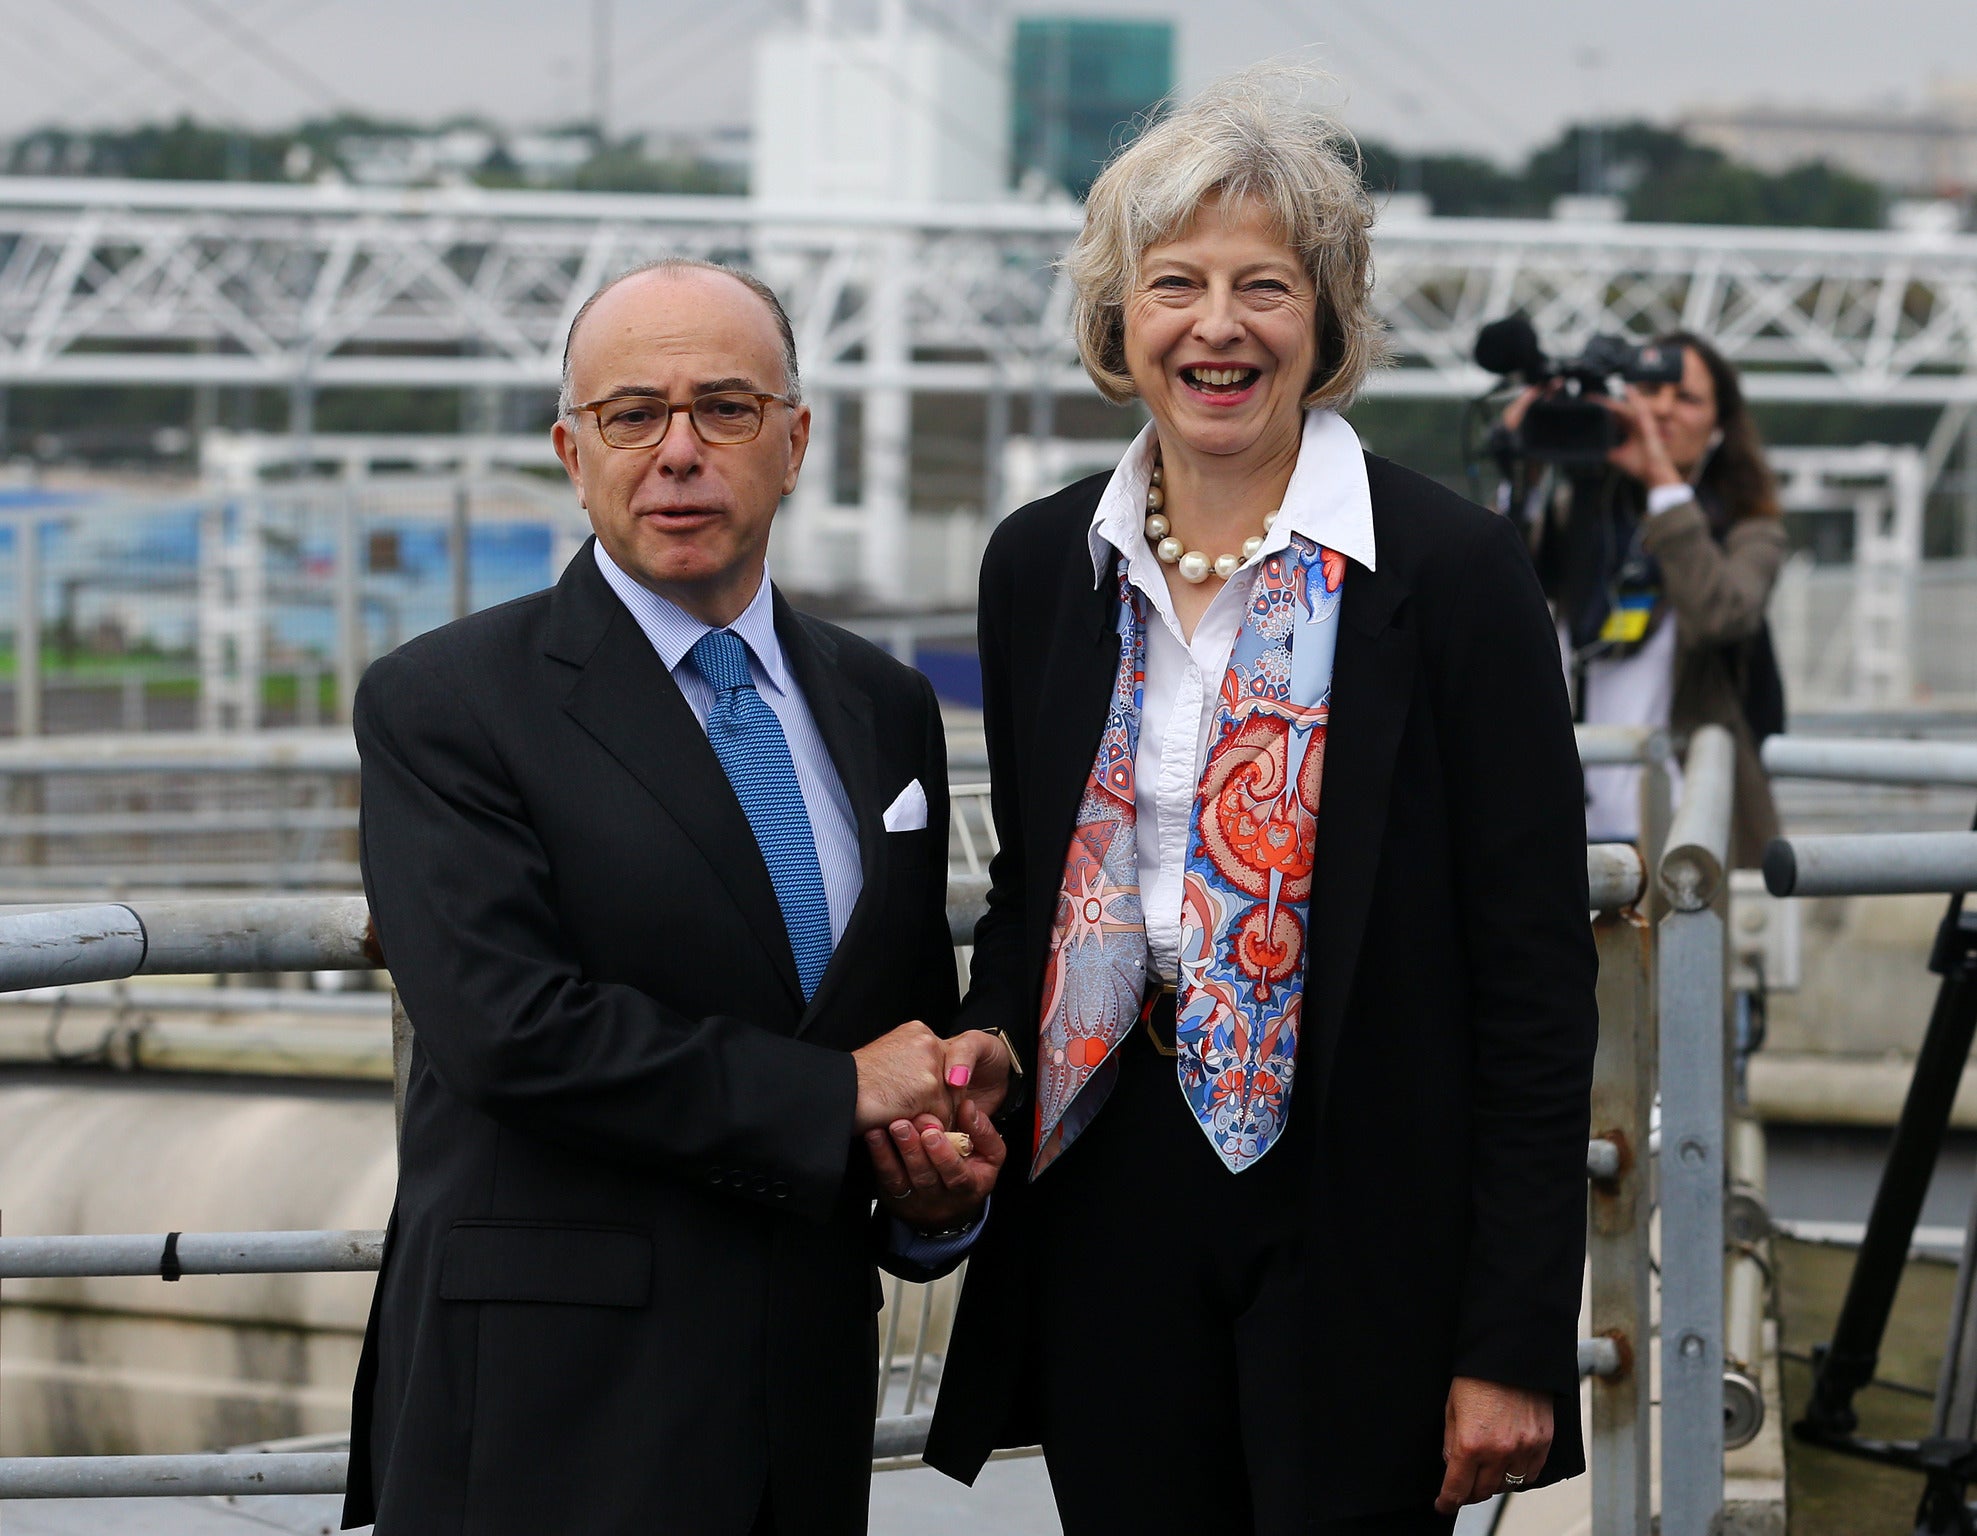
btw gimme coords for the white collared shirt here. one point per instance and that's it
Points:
(1327, 500)
(674, 632)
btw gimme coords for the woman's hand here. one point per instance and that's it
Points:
(1514, 413)
(1489, 1430)
(1643, 453)
(977, 1063)
(923, 1180)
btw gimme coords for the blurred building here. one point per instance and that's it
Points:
(909, 105)
(415, 158)
(1931, 151)
(1079, 85)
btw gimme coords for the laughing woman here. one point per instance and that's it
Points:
(1300, 1242)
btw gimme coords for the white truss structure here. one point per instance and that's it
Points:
(320, 287)
(177, 283)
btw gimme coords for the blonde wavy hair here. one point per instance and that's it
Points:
(1253, 135)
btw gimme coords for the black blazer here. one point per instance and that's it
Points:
(629, 1277)
(1449, 998)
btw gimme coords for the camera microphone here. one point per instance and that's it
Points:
(1510, 345)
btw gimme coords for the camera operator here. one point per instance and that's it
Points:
(1663, 624)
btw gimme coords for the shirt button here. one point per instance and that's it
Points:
(761, 1185)
(738, 1179)
(779, 1189)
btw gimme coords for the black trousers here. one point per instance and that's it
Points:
(1170, 1289)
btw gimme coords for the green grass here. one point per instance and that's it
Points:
(168, 677)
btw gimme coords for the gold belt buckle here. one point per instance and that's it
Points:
(1162, 988)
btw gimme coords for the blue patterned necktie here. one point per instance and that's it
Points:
(748, 739)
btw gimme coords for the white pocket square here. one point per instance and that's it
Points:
(908, 811)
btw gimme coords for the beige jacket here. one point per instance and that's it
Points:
(1718, 594)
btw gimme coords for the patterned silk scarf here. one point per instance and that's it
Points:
(1246, 891)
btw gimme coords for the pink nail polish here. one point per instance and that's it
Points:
(957, 1077)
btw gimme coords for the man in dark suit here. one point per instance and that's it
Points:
(655, 862)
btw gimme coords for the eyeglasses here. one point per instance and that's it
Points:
(727, 418)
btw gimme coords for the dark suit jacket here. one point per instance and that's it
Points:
(629, 1278)
(1449, 1014)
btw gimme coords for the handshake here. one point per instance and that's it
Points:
(914, 1089)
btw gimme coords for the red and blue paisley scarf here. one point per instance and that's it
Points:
(1246, 892)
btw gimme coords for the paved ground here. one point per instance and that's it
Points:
(1012, 1498)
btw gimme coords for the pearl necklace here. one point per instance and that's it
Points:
(1193, 565)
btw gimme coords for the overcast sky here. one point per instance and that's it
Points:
(1488, 76)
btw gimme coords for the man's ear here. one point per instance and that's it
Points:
(799, 444)
(564, 438)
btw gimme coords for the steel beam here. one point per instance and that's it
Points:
(188, 936)
(182, 1477)
(192, 1253)
(1872, 864)
(1868, 761)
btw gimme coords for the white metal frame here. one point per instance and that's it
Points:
(285, 285)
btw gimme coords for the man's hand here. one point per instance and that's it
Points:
(1490, 1430)
(902, 1075)
(923, 1180)
(978, 1063)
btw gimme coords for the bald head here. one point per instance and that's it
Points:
(688, 269)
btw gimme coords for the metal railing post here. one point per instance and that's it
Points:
(1620, 1208)
(459, 559)
(349, 601)
(1657, 812)
(114, 941)
(27, 627)
(1692, 975)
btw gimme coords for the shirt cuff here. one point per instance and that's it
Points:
(935, 1252)
(1665, 498)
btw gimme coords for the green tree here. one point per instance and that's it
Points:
(1663, 176)
(627, 167)
(183, 150)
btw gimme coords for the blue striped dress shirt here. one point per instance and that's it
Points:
(673, 632)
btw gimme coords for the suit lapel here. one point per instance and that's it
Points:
(623, 696)
(1372, 687)
(843, 712)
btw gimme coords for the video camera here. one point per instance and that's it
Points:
(1568, 425)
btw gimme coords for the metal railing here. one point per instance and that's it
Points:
(1871, 864)
(1865, 760)
(169, 1255)
(279, 808)
(1619, 1210)
(174, 810)
(1692, 948)
(196, 936)
(1944, 864)
(190, 936)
